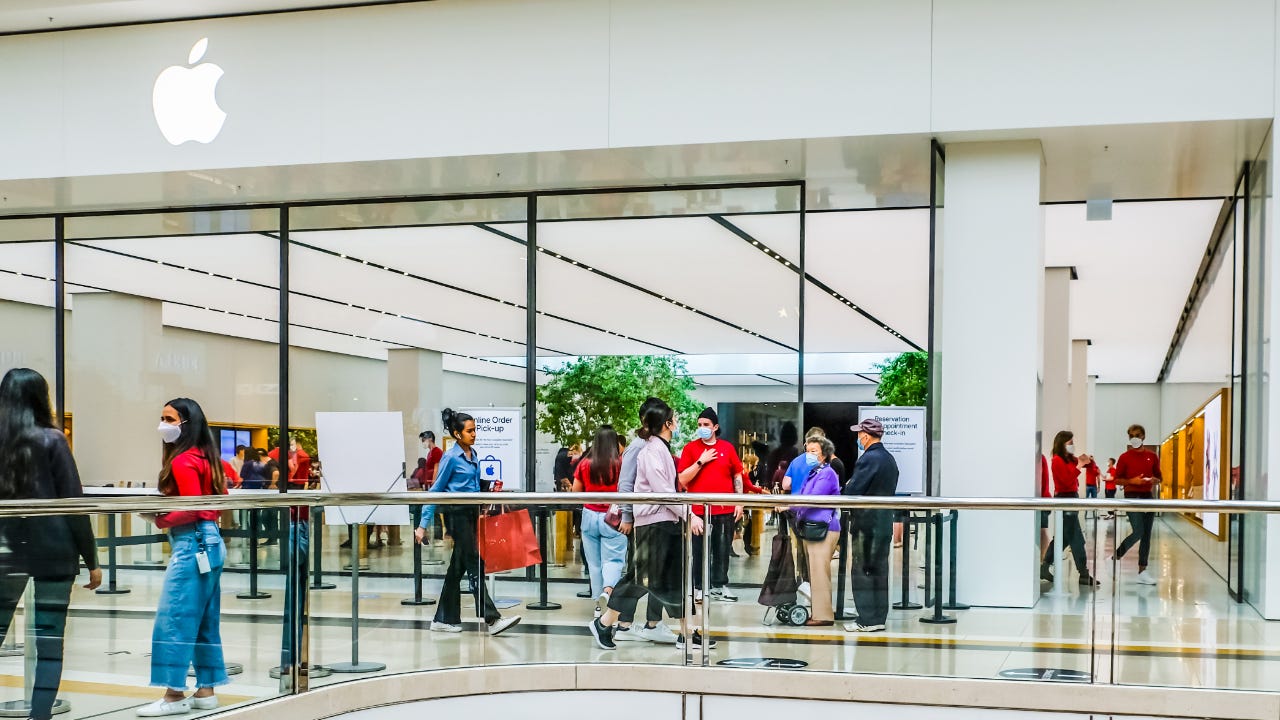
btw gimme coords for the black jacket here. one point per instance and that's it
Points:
(52, 546)
(875, 474)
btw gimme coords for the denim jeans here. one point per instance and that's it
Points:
(295, 587)
(52, 596)
(605, 550)
(187, 617)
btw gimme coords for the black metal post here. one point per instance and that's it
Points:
(951, 581)
(417, 567)
(111, 588)
(842, 567)
(543, 603)
(253, 593)
(355, 666)
(937, 618)
(317, 550)
(905, 603)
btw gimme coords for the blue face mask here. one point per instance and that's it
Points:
(704, 433)
(811, 460)
(675, 433)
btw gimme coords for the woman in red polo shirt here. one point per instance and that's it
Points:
(1065, 468)
(604, 546)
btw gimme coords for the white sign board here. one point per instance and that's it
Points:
(904, 439)
(1212, 471)
(363, 453)
(499, 445)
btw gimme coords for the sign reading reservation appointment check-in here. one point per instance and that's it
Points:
(904, 439)
(499, 442)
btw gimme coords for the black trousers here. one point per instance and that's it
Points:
(870, 537)
(53, 595)
(465, 558)
(1141, 524)
(655, 571)
(721, 533)
(1072, 537)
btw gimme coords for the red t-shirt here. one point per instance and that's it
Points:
(1044, 477)
(299, 465)
(1111, 478)
(583, 475)
(1138, 463)
(193, 476)
(717, 475)
(1066, 476)
(433, 462)
(1091, 473)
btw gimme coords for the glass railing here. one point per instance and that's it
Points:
(931, 587)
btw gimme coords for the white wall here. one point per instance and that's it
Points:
(1119, 405)
(483, 77)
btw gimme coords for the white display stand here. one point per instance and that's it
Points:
(363, 453)
(904, 439)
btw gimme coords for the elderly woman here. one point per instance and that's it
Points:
(819, 527)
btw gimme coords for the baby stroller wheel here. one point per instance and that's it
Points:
(798, 615)
(783, 613)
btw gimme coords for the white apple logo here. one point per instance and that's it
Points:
(184, 101)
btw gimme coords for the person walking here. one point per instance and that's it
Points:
(653, 630)
(1138, 469)
(36, 464)
(820, 529)
(187, 628)
(875, 474)
(1065, 468)
(709, 464)
(460, 472)
(1109, 485)
(603, 545)
(658, 538)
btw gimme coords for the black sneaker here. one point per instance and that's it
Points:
(1046, 574)
(602, 635)
(1089, 581)
(697, 641)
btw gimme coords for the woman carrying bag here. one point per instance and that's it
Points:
(819, 528)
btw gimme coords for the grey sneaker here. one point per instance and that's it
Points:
(659, 633)
(502, 625)
(633, 633)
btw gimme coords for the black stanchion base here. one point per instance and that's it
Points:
(315, 671)
(423, 601)
(544, 606)
(112, 591)
(584, 594)
(22, 708)
(253, 595)
(322, 586)
(364, 667)
(907, 606)
(944, 620)
(955, 606)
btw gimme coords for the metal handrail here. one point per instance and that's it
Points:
(147, 503)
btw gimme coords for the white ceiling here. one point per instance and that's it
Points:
(725, 297)
(29, 15)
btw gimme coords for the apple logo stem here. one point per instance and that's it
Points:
(184, 99)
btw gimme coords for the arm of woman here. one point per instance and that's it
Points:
(66, 484)
(440, 484)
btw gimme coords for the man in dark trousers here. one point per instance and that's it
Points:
(871, 531)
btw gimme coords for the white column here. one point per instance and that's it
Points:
(415, 387)
(1080, 395)
(991, 345)
(1055, 396)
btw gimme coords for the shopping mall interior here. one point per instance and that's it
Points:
(1082, 259)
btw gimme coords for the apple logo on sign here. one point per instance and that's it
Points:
(184, 102)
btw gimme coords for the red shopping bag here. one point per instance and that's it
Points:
(507, 542)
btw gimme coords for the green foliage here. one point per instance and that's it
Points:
(608, 389)
(306, 439)
(904, 380)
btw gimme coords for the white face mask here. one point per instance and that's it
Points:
(169, 433)
(1071, 448)
(1135, 442)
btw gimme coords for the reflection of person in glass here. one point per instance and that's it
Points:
(460, 472)
(1138, 469)
(871, 531)
(36, 463)
(187, 629)
(1066, 484)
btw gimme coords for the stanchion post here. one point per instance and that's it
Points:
(937, 618)
(111, 588)
(543, 603)
(951, 555)
(317, 550)
(253, 593)
(905, 603)
(842, 567)
(355, 666)
(417, 598)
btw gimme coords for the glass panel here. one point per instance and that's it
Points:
(1256, 350)
(398, 311)
(155, 318)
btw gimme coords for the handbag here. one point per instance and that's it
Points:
(812, 531)
(613, 518)
(507, 541)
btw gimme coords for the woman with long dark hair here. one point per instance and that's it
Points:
(187, 629)
(1065, 469)
(36, 463)
(656, 564)
(459, 471)
(603, 545)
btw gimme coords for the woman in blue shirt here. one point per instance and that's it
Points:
(459, 471)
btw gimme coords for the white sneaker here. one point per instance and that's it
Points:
(659, 633)
(856, 628)
(160, 708)
(1146, 578)
(803, 591)
(635, 633)
(697, 596)
(437, 626)
(204, 703)
(504, 624)
(723, 594)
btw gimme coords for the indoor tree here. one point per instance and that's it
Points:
(904, 380)
(608, 390)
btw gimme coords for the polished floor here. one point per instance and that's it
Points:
(1184, 631)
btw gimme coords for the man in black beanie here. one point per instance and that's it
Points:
(709, 464)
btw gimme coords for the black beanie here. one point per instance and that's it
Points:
(710, 415)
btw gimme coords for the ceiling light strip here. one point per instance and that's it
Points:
(777, 257)
(637, 288)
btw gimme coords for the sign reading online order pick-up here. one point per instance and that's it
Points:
(904, 439)
(499, 441)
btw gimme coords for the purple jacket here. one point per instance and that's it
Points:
(822, 481)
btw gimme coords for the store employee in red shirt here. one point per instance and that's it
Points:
(709, 464)
(1138, 469)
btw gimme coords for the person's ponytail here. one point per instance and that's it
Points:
(454, 422)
